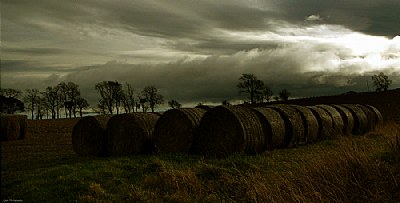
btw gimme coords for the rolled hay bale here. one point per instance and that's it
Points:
(293, 124)
(360, 119)
(225, 130)
(325, 123)
(378, 115)
(347, 117)
(338, 123)
(176, 129)
(129, 134)
(274, 127)
(10, 128)
(89, 135)
(310, 124)
(371, 117)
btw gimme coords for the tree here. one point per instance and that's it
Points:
(81, 104)
(267, 93)
(152, 97)
(10, 105)
(111, 93)
(128, 98)
(284, 95)
(72, 94)
(174, 104)
(51, 96)
(32, 98)
(381, 82)
(248, 83)
(63, 96)
(10, 93)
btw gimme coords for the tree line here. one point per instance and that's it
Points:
(65, 98)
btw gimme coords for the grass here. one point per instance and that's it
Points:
(357, 169)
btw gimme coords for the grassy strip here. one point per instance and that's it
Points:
(357, 169)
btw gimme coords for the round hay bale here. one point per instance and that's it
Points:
(338, 123)
(274, 127)
(88, 135)
(293, 124)
(131, 133)
(378, 115)
(371, 117)
(360, 119)
(10, 128)
(176, 129)
(310, 124)
(347, 117)
(325, 123)
(225, 130)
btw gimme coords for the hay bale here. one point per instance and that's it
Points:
(378, 115)
(347, 117)
(176, 128)
(338, 123)
(360, 119)
(310, 124)
(274, 127)
(371, 117)
(10, 128)
(293, 124)
(325, 123)
(88, 135)
(225, 130)
(131, 133)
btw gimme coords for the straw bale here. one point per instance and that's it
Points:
(10, 129)
(360, 119)
(129, 134)
(176, 129)
(225, 130)
(347, 117)
(338, 123)
(88, 135)
(310, 124)
(274, 127)
(325, 123)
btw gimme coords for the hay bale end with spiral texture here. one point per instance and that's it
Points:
(347, 117)
(88, 135)
(360, 119)
(310, 124)
(131, 133)
(338, 123)
(274, 127)
(225, 130)
(325, 123)
(176, 129)
(10, 128)
(293, 124)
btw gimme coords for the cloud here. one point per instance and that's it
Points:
(313, 18)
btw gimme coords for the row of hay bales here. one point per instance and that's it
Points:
(220, 131)
(13, 127)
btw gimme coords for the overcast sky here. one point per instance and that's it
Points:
(195, 51)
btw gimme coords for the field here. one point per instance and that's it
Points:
(44, 168)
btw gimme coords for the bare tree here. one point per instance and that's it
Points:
(73, 93)
(51, 97)
(129, 98)
(174, 104)
(153, 98)
(284, 95)
(248, 83)
(111, 93)
(81, 104)
(32, 98)
(267, 93)
(381, 82)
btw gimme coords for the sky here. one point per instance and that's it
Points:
(195, 51)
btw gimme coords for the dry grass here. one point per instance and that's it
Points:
(176, 129)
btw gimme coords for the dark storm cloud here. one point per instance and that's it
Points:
(36, 51)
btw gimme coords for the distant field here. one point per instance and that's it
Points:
(44, 168)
